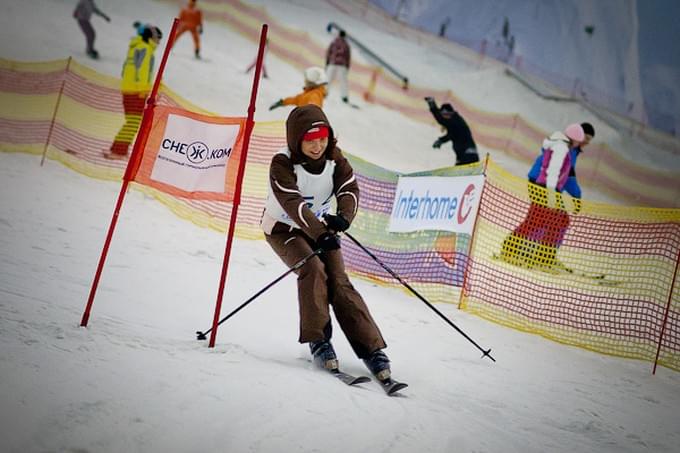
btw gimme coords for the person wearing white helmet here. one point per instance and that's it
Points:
(535, 241)
(314, 91)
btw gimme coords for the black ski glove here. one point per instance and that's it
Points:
(437, 143)
(276, 104)
(336, 223)
(327, 241)
(430, 101)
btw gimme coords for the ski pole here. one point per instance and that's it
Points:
(202, 335)
(486, 353)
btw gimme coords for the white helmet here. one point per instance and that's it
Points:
(315, 76)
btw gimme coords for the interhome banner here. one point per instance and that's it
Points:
(436, 203)
(191, 155)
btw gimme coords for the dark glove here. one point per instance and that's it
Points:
(437, 143)
(276, 104)
(108, 19)
(327, 241)
(200, 30)
(430, 101)
(336, 223)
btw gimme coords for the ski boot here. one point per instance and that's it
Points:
(324, 354)
(379, 365)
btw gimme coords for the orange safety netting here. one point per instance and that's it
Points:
(593, 275)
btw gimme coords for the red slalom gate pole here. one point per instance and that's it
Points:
(132, 163)
(239, 182)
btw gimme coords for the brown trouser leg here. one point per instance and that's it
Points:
(323, 280)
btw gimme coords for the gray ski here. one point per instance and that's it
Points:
(390, 386)
(348, 378)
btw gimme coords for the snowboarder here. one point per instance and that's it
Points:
(457, 131)
(303, 178)
(136, 84)
(191, 20)
(535, 241)
(83, 14)
(338, 57)
(313, 92)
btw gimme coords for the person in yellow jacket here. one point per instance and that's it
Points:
(314, 91)
(137, 80)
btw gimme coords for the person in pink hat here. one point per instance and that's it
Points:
(535, 241)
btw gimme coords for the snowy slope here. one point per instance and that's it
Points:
(137, 380)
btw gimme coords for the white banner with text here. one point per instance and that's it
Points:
(448, 203)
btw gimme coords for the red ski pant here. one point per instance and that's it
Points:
(133, 104)
(544, 224)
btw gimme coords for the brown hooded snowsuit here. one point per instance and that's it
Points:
(322, 280)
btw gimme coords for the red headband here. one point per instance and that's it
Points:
(316, 132)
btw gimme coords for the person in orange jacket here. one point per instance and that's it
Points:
(191, 20)
(314, 91)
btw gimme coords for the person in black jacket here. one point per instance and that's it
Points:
(457, 131)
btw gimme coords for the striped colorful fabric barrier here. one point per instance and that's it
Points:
(610, 287)
(619, 314)
(603, 170)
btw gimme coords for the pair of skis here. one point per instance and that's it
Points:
(389, 385)
(596, 278)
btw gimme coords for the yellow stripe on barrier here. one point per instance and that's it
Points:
(33, 107)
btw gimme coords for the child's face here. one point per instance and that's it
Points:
(314, 148)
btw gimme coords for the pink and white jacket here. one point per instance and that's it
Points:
(555, 162)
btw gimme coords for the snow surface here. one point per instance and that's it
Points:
(137, 380)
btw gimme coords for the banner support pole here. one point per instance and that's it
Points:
(666, 311)
(473, 237)
(56, 109)
(132, 163)
(239, 182)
